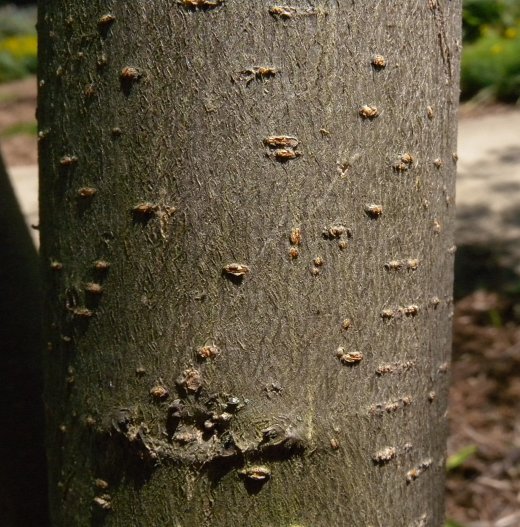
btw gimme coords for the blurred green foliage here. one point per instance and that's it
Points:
(18, 43)
(491, 54)
(480, 13)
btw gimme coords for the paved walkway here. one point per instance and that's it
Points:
(488, 186)
(25, 183)
(488, 182)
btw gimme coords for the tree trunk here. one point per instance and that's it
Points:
(247, 236)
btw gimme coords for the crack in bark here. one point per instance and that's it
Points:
(440, 22)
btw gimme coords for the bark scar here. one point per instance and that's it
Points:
(440, 22)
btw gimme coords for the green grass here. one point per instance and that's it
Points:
(459, 458)
(27, 128)
(452, 523)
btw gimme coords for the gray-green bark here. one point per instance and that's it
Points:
(313, 147)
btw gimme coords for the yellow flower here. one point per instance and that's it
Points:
(484, 30)
(21, 46)
(511, 32)
(496, 49)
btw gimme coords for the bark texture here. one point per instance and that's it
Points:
(247, 214)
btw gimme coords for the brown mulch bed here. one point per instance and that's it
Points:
(485, 412)
(18, 106)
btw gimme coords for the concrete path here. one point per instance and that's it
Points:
(25, 183)
(488, 180)
(488, 186)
